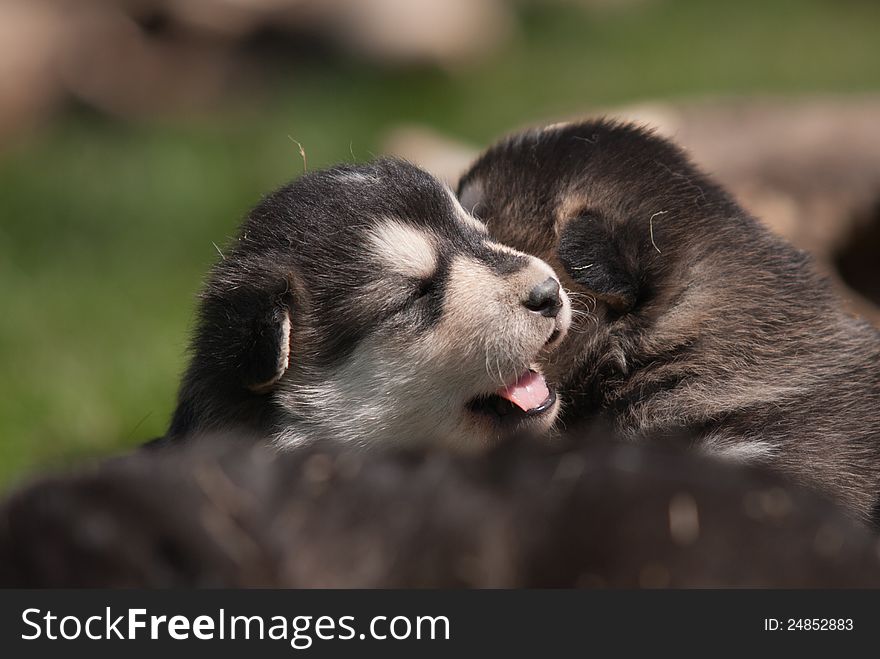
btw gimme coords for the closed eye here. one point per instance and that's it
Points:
(415, 301)
(417, 290)
(424, 287)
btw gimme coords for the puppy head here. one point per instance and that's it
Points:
(613, 208)
(362, 303)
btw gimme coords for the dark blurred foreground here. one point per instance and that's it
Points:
(603, 515)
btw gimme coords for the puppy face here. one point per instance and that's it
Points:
(364, 304)
(602, 203)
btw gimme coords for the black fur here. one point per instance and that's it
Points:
(694, 317)
(592, 258)
(301, 253)
(603, 515)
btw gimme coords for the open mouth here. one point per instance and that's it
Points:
(529, 396)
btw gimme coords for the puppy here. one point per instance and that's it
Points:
(362, 304)
(602, 515)
(692, 319)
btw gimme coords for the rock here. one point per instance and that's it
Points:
(111, 64)
(30, 34)
(445, 158)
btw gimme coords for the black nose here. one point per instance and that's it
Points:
(544, 298)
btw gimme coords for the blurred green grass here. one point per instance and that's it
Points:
(107, 228)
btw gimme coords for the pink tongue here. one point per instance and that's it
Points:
(528, 392)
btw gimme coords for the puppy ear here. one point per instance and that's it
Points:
(267, 356)
(243, 335)
(470, 194)
(592, 259)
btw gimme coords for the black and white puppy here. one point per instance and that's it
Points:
(363, 304)
(693, 320)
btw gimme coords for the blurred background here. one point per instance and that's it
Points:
(135, 134)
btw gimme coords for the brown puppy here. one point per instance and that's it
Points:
(694, 320)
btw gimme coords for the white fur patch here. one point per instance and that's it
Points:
(744, 451)
(404, 249)
(501, 248)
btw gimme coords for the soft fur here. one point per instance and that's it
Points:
(692, 318)
(603, 515)
(362, 304)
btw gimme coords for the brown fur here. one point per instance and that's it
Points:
(603, 515)
(693, 318)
